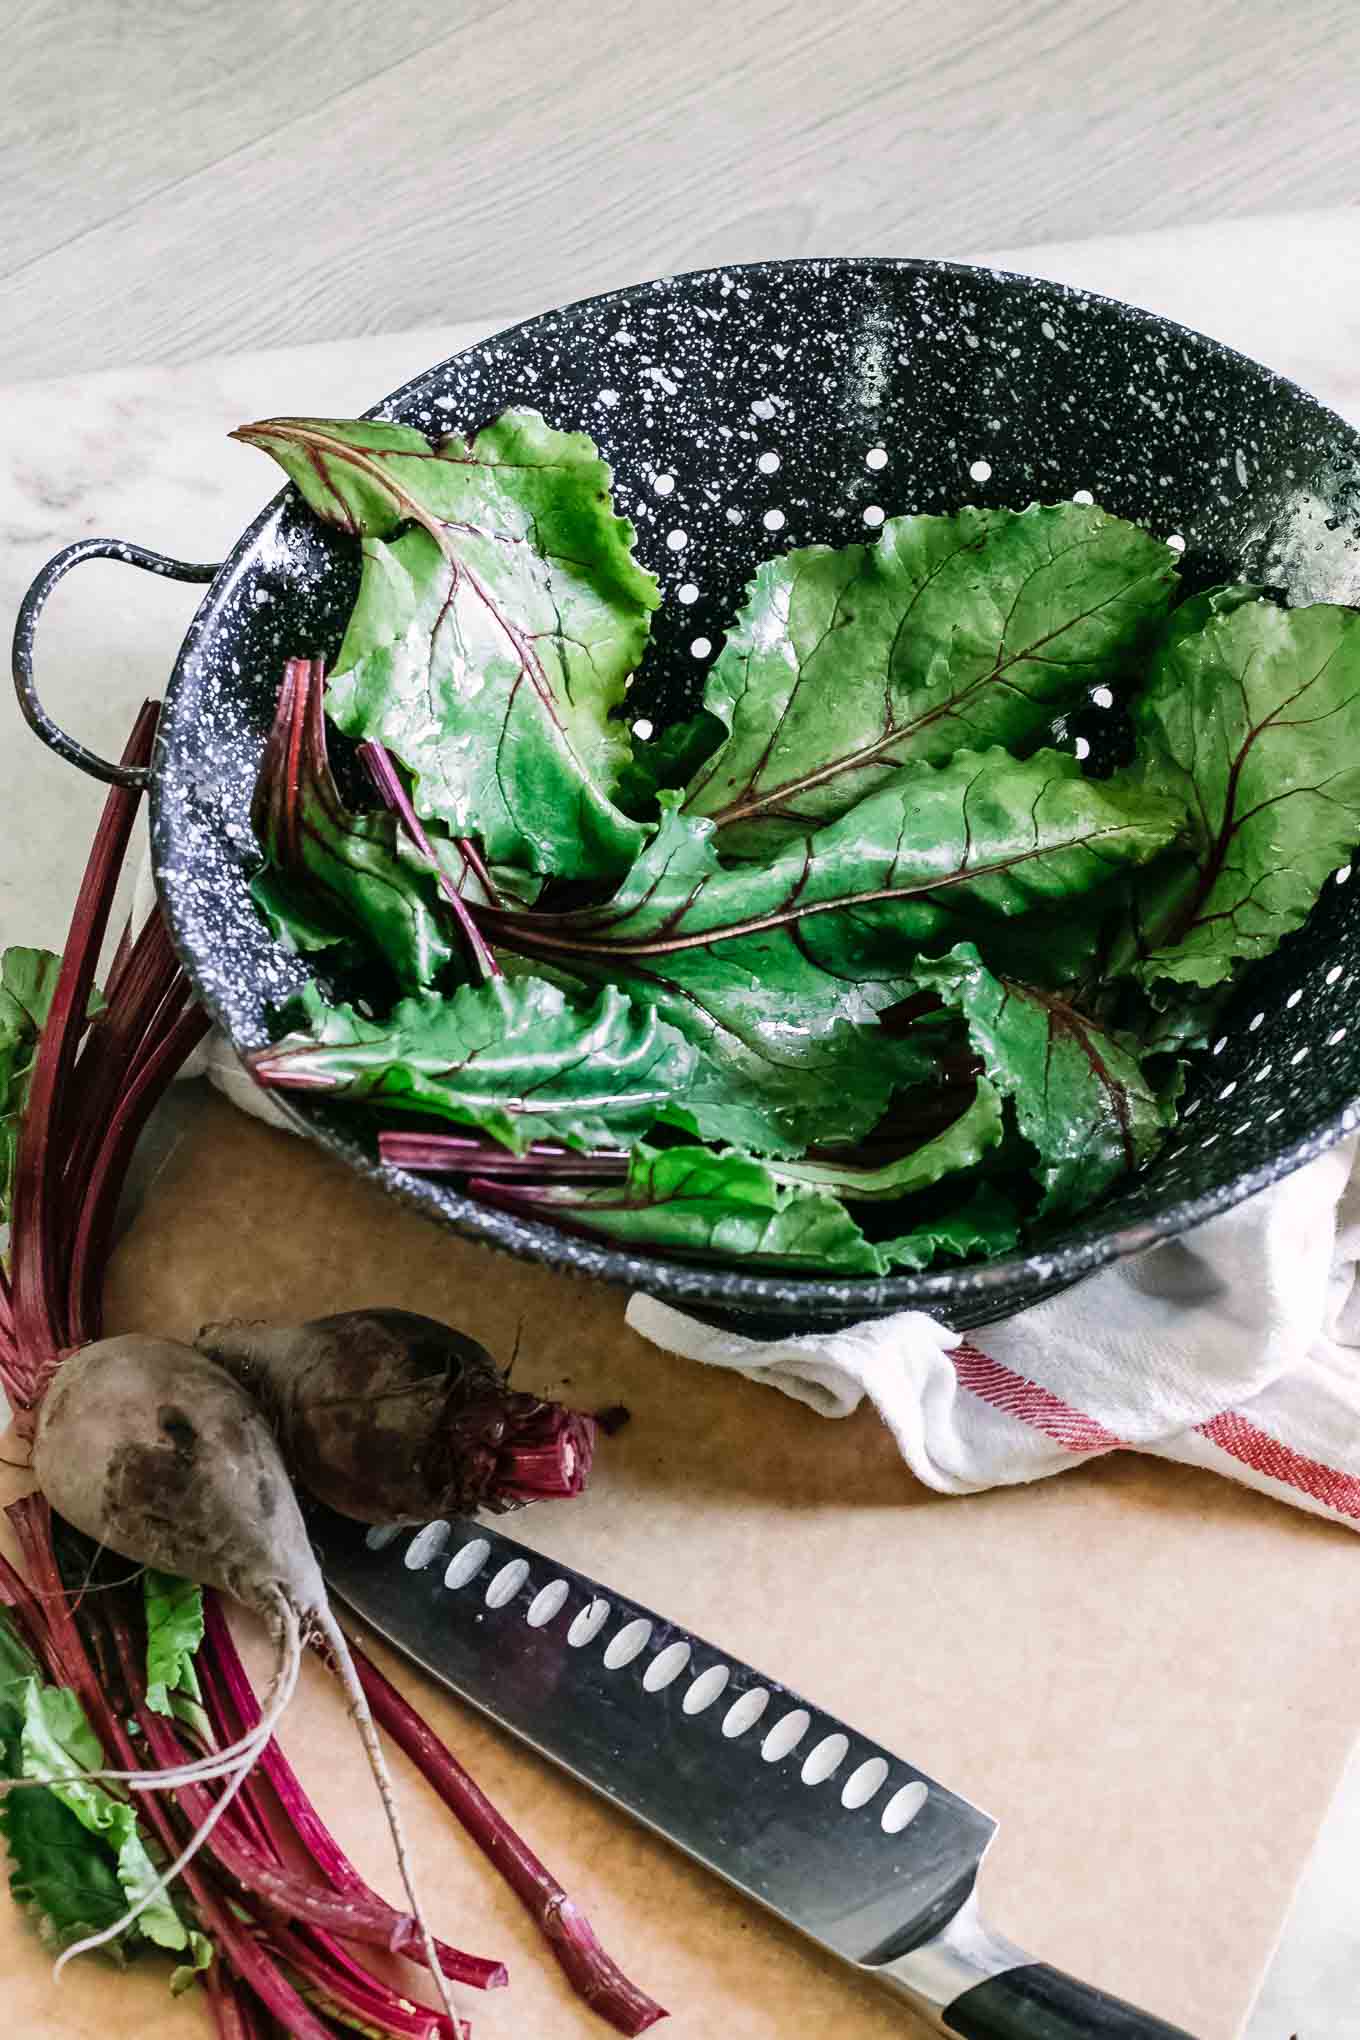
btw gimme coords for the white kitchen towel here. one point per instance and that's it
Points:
(1235, 1347)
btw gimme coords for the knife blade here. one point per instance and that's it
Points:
(858, 1849)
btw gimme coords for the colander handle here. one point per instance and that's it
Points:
(25, 628)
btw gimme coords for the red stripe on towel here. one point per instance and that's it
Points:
(1242, 1440)
(1255, 1448)
(1004, 1390)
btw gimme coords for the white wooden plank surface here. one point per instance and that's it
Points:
(177, 179)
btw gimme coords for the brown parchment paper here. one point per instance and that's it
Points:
(1147, 1673)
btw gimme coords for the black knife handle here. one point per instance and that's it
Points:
(1035, 2002)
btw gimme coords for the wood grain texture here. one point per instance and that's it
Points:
(184, 179)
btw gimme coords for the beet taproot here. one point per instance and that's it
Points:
(158, 1454)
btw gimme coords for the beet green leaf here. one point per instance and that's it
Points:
(1253, 723)
(977, 1129)
(330, 876)
(730, 1206)
(986, 1225)
(493, 638)
(948, 632)
(514, 1057)
(1079, 1095)
(776, 971)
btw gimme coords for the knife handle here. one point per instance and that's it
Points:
(1034, 2002)
(973, 1982)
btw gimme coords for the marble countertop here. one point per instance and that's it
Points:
(143, 455)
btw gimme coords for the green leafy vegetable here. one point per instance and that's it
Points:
(174, 1630)
(667, 761)
(857, 941)
(330, 875)
(1253, 723)
(977, 1129)
(28, 979)
(986, 1225)
(765, 967)
(775, 1026)
(78, 1854)
(1080, 1097)
(492, 641)
(986, 830)
(56, 1737)
(67, 1881)
(513, 1057)
(949, 632)
(730, 1206)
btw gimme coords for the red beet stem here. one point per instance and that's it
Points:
(358, 1999)
(451, 1154)
(133, 999)
(385, 777)
(233, 2014)
(98, 1208)
(546, 1453)
(476, 864)
(35, 1245)
(592, 1973)
(8, 1351)
(32, 1520)
(372, 1923)
(307, 1824)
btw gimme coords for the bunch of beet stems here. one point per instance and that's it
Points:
(288, 1914)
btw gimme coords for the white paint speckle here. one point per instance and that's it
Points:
(1048, 329)
(663, 484)
(876, 458)
(1176, 542)
(1082, 496)
(608, 398)
(1103, 697)
(677, 540)
(642, 729)
(981, 471)
(762, 408)
(687, 592)
(768, 463)
(1082, 748)
(773, 520)
(700, 647)
(874, 516)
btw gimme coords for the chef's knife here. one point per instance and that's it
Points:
(857, 1849)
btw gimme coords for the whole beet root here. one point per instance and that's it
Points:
(391, 1417)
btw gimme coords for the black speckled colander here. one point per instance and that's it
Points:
(746, 411)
